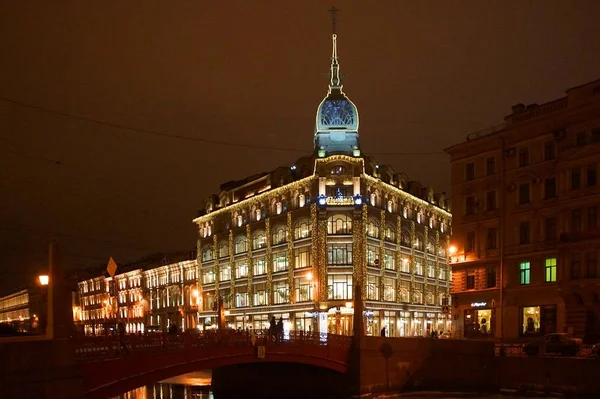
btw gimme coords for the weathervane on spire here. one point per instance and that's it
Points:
(333, 15)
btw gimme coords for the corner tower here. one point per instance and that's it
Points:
(336, 127)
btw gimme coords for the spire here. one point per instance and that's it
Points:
(336, 82)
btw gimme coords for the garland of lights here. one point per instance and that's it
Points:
(398, 258)
(269, 256)
(250, 265)
(426, 286)
(199, 281)
(247, 203)
(231, 267)
(437, 266)
(291, 260)
(412, 260)
(382, 254)
(216, 262)
(313, 251)
(322, 257)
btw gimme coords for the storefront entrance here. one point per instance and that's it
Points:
(339, 320)
(479, 323)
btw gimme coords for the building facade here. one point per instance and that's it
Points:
(25, 310)
(293, 242)
(525, 205)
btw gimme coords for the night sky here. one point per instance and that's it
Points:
(75, 75)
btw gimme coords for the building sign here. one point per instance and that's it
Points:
(478, 304)
(339, 200)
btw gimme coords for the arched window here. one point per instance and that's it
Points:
(240, 245)
(405, 212)
(419, 217)
(419, 244)
(278, 207)
(239, 220)
(278, 235)
(405, 238)
(259, 240)
(390, 233)
(373, 199)
(224, 249)
(207, 253)
(257, 214)
(339, 224)
(442, 251)
(301, 200)
(431, 247)
(390, 206)
(302, 229)
(373, 228)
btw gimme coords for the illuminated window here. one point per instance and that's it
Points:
(302, 229)
(280, 261)
(258, 214)
(240, 245)
(531, 320)
(301, 200)
(550, 270)
(373, 229)
(524, 273)
(390, 234)
(279, 235)
(259, 240)
(339, 224)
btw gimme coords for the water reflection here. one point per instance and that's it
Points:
(187, 386)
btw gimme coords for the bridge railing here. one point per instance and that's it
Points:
(110, 347)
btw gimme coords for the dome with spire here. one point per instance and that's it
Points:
(336, 127)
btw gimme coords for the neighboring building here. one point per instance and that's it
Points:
(25, 310)
(525, 200)
(293, 242)
(148, 293)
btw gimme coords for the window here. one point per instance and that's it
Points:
(575, 178)
(470, 243)
(389, 260)
(224, 250)
(260, 294)
(591, 264)
(260, 266)
(405, 265)
(550, 187)
(575, 220)
(575, 265)
(241, 269)
(240, 245)
(225, 273)
(389, 290)
(302, 229)
(591, 176)
(470, 171)
(469, 205)
(592, 217)
(241, 299)
(259, 240)
(339, 224)
(207, 254)
(524, 233)
(550, 229)
(523, 156)
(549, 150)
(373, 288)
(550, 270)
(208, 275)
(390, 234)
(302, 257)
(470, 280)
(339, 254)
(281, 292)
(490, 166)
(581, 138)
(524, 193)
(280, 261)
(490, 201)
(524, 273)
(304, 290)
(372, 256)
(430, 269)
(531, 320)
(278, 235)
(373, 229)
(491, 277)
(418, 266)
(339, 286)
(492, 233)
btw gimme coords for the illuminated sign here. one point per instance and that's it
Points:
(478, 304)
(339, 201)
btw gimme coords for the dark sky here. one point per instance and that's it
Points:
(422, 73)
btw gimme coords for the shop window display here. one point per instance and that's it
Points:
(478, 323)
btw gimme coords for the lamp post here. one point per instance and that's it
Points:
(44, 279)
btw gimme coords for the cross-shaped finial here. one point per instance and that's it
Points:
(333, 14)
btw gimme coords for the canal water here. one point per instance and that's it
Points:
(197, 386)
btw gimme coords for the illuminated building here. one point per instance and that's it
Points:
(25, 310)
(292, 243)
(525, 202)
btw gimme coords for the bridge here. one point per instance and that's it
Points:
(113, 365)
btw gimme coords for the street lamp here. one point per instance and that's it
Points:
(452, 250)
(44, 279)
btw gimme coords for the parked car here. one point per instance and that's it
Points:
(445, 335)
(558, 344)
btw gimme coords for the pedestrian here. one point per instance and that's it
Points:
(280, 329)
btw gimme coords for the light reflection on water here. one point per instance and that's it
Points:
(187, 386)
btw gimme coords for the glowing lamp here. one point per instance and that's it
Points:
(452, 250)
(358, 200)
(322, 201)
(44, 279)
(195, 293)
(309, 276)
